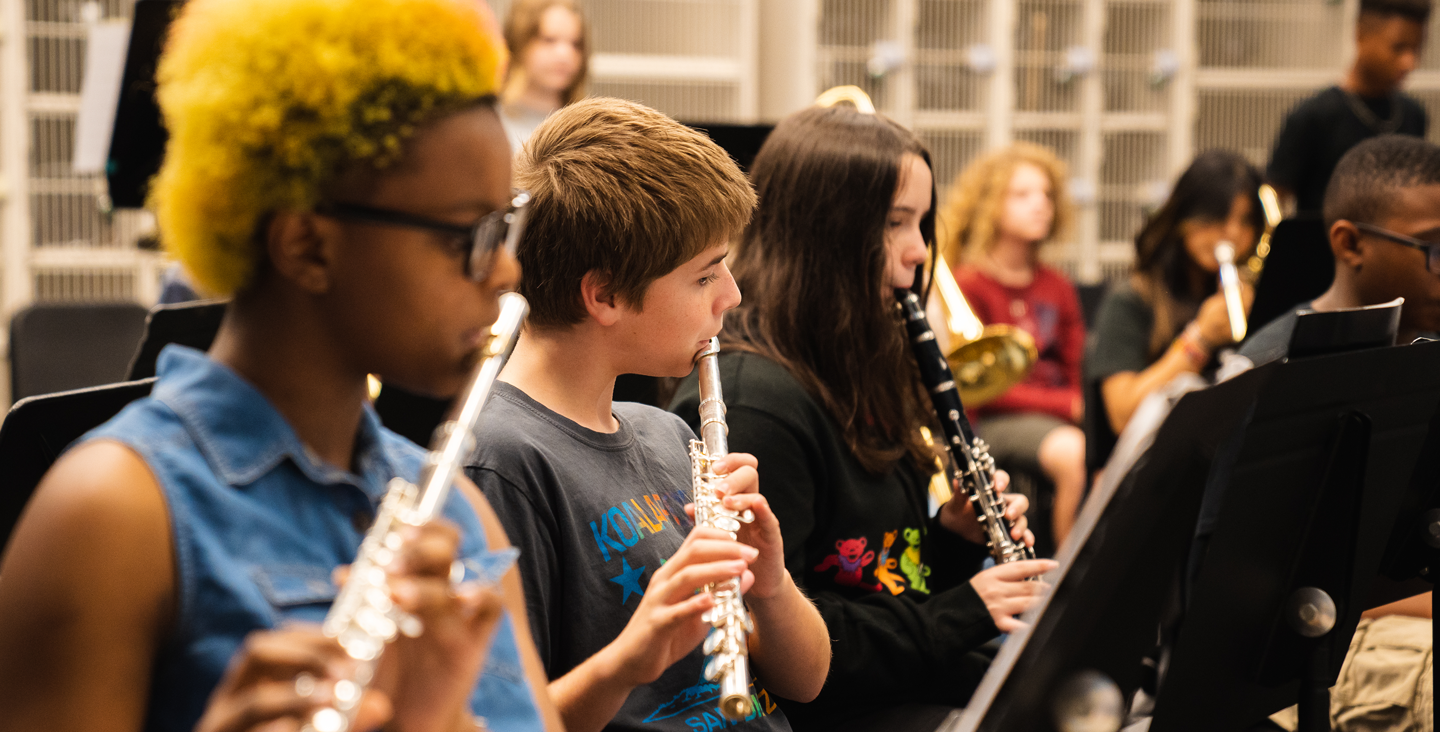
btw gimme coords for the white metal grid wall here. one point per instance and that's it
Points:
(695, 60)
(70, 245)
(1124, 90)
(1257, 59)
(1095, 80)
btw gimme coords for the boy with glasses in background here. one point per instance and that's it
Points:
(1382, 209)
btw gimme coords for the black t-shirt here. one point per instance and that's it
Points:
(1321, 129)
(891, 584)
(594, 515)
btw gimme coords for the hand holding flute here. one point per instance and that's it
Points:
(294, 673)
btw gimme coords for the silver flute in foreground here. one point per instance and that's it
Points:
(726, 646)
(363, 618)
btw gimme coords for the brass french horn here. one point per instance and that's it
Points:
(986, 359)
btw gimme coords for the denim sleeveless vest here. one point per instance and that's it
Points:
(258, 523)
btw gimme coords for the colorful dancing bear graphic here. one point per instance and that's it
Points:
(893, 582)
(910, 563)
(850, 556)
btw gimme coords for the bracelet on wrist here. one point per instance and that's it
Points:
(1194, 345)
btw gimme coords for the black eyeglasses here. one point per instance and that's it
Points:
(1431, 249)
(478, 242)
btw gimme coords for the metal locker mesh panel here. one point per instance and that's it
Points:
(1132, 180)
(665, 27)
(69, 11)
(1065, 143)
(1044, 30)
(946, 86)
(85, 284)
(691, 101)
(842, 66)
(1134, 32)
(1117, 261)
(52, 145)
(64, 206)
(1272, 34)
(855, 23)
(1244, 120)
(945, 32)
(57, 56)
(847, 33)
(950, 152)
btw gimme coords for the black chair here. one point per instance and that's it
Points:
(192, 324)
(39, 428)
(59, 347)
(1090, 297)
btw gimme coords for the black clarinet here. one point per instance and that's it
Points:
(970, 462)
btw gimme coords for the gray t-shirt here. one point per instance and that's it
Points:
(594, 516)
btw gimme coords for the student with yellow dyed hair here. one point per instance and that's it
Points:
(330, 167)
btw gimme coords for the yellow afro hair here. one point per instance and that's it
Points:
(267, 100)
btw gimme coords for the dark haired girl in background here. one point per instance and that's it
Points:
(1170, 317)
(823, 390)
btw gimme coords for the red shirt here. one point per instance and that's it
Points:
(1049, 310)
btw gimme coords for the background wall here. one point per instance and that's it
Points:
(1125, 90)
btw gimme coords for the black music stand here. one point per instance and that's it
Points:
(1317, 444)
(1312, 502)
(1117, 571)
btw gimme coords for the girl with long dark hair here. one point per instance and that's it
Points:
(1170, 317)
(822, 388)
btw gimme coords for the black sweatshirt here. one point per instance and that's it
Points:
(890, 583)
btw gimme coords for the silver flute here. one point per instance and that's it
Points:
(728, 662)
(364, 618)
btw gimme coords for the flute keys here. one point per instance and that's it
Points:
(347, 693)
(328, 720)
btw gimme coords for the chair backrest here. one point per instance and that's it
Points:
(1299, 269)
(192, 324)
(63, 346)
(1090, 298)
(39, 428)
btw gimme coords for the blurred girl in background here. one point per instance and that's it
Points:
(549, 59)
(1170, 317)
(1005, 206)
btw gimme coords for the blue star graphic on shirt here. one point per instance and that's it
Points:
(629, 579)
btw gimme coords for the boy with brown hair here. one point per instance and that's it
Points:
(630, 221)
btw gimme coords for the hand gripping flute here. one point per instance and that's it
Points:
(726, 647)
(363, 618)
(970, 459)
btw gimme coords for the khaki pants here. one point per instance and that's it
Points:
(1386, 682)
